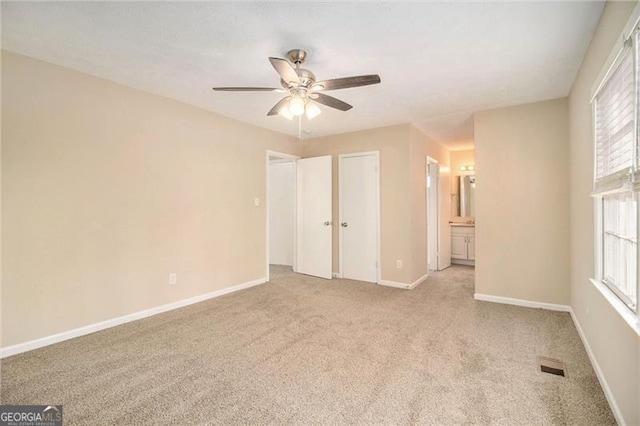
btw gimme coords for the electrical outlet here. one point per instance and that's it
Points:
(173, 278)
(256, 201)
(399, 264)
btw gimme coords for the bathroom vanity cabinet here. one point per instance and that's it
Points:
(463, 241)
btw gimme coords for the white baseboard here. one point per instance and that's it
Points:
(92, 328)
(596, 367)
(394, 284)
(419, 280)
(463, 262)
(403, 285)
(521, 302)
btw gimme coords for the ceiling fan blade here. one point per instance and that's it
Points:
(281, 104)
(347, 82)
(247, 89)
(332, 102)
(285, 70)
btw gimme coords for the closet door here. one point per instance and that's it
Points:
(359, 208)
(314, 210)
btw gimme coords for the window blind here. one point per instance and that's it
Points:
(615, 125)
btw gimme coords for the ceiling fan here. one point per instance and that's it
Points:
(304, 92)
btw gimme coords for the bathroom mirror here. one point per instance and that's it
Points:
(463, 197)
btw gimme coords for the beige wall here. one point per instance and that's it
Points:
(107, 190)
(403, 150)
(459, 158)
(395, 215)
(614, 344)
(522, 219)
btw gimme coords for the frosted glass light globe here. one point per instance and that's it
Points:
(296, 106)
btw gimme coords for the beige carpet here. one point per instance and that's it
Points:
(301, 350)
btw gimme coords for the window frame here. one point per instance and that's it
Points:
(614, 295)
(631, 305)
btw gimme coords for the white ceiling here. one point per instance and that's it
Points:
(439, 62)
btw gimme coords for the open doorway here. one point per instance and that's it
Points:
(281, 213)
(433, 184)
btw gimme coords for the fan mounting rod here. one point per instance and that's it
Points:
(297, 56)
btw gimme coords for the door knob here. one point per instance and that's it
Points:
(344, 224)
(327, 223)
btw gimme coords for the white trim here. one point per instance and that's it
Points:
(419, 281)
(436, 185)
(282, 157)
(465, 262)
(92, 328)
(599, 374)
(522, 302)
(618, 305)
(403, 285)
(394, 284)
(283, 160)
(375, 154)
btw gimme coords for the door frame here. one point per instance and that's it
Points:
(433, 194)
(376, 155)
(293, 159)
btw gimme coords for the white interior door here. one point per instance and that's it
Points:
(359, 208)
(314, 212)
(433, 224)
(444, 236)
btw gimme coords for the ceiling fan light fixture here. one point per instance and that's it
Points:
(312, 110)
(284, 112)
(296, 106)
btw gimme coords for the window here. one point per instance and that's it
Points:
(619, 245)
(617, 179)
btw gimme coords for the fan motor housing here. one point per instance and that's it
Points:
(307, 78)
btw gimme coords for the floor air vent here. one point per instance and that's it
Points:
(551, 366)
